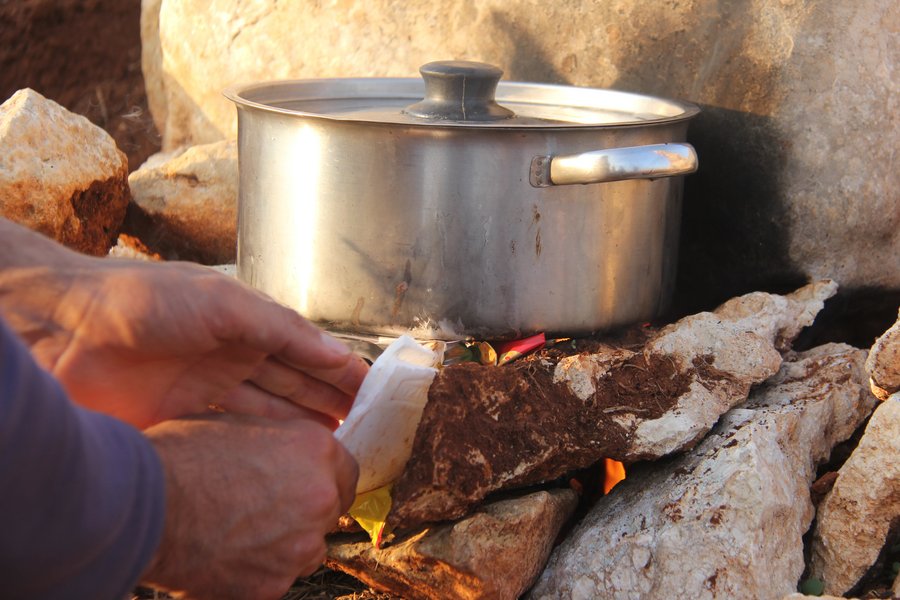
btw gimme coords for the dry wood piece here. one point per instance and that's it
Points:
(496, 552)
(491, 428)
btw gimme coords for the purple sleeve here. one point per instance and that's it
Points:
(82, 495)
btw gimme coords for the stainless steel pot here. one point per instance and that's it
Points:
(369, 209)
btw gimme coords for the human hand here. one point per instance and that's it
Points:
(146, 342)
(248, 503)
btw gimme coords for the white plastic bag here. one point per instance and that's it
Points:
(381, 426)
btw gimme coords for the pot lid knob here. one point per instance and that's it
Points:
(457, 90)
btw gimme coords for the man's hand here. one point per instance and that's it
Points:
(248, 503)
(148, 342)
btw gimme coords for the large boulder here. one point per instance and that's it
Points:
(60, 174)
(151, 63)
(798, 123)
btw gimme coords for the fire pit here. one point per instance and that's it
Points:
(640, 397)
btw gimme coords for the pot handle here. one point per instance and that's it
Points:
(457, 90)
(614, 164)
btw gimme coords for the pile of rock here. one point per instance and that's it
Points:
(64, 177)
(723, 511)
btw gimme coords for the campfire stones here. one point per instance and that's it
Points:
(489, 428)
(496, 552)
(855, 518)
(883, 363)
(186, 206)
(727, 519)
(60, 174)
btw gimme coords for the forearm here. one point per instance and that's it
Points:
(83, 501)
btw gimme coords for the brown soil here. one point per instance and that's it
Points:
(85, 55)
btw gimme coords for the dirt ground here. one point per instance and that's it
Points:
(85, 55)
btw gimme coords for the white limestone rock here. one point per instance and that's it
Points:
(854, 519)
(60, 174)
(883, 363)
(725, 520)
(189, 203)
(742, 338)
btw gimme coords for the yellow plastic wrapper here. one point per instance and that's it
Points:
(486, 353)
(370, 509)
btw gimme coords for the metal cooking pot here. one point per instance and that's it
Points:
(369, 209)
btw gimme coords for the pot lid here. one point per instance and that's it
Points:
(459, 94)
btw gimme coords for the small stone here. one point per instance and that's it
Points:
(60, 174)
(488, 428)
(854, 520)
(128, 246)
(187, 205)
(883, 363)
(725, 520)
(496, 552)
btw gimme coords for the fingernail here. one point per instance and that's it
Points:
(335, 344)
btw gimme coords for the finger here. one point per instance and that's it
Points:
(240, 313)
(347, 378)
(347, 476)
(248, 399)
(301, 388)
